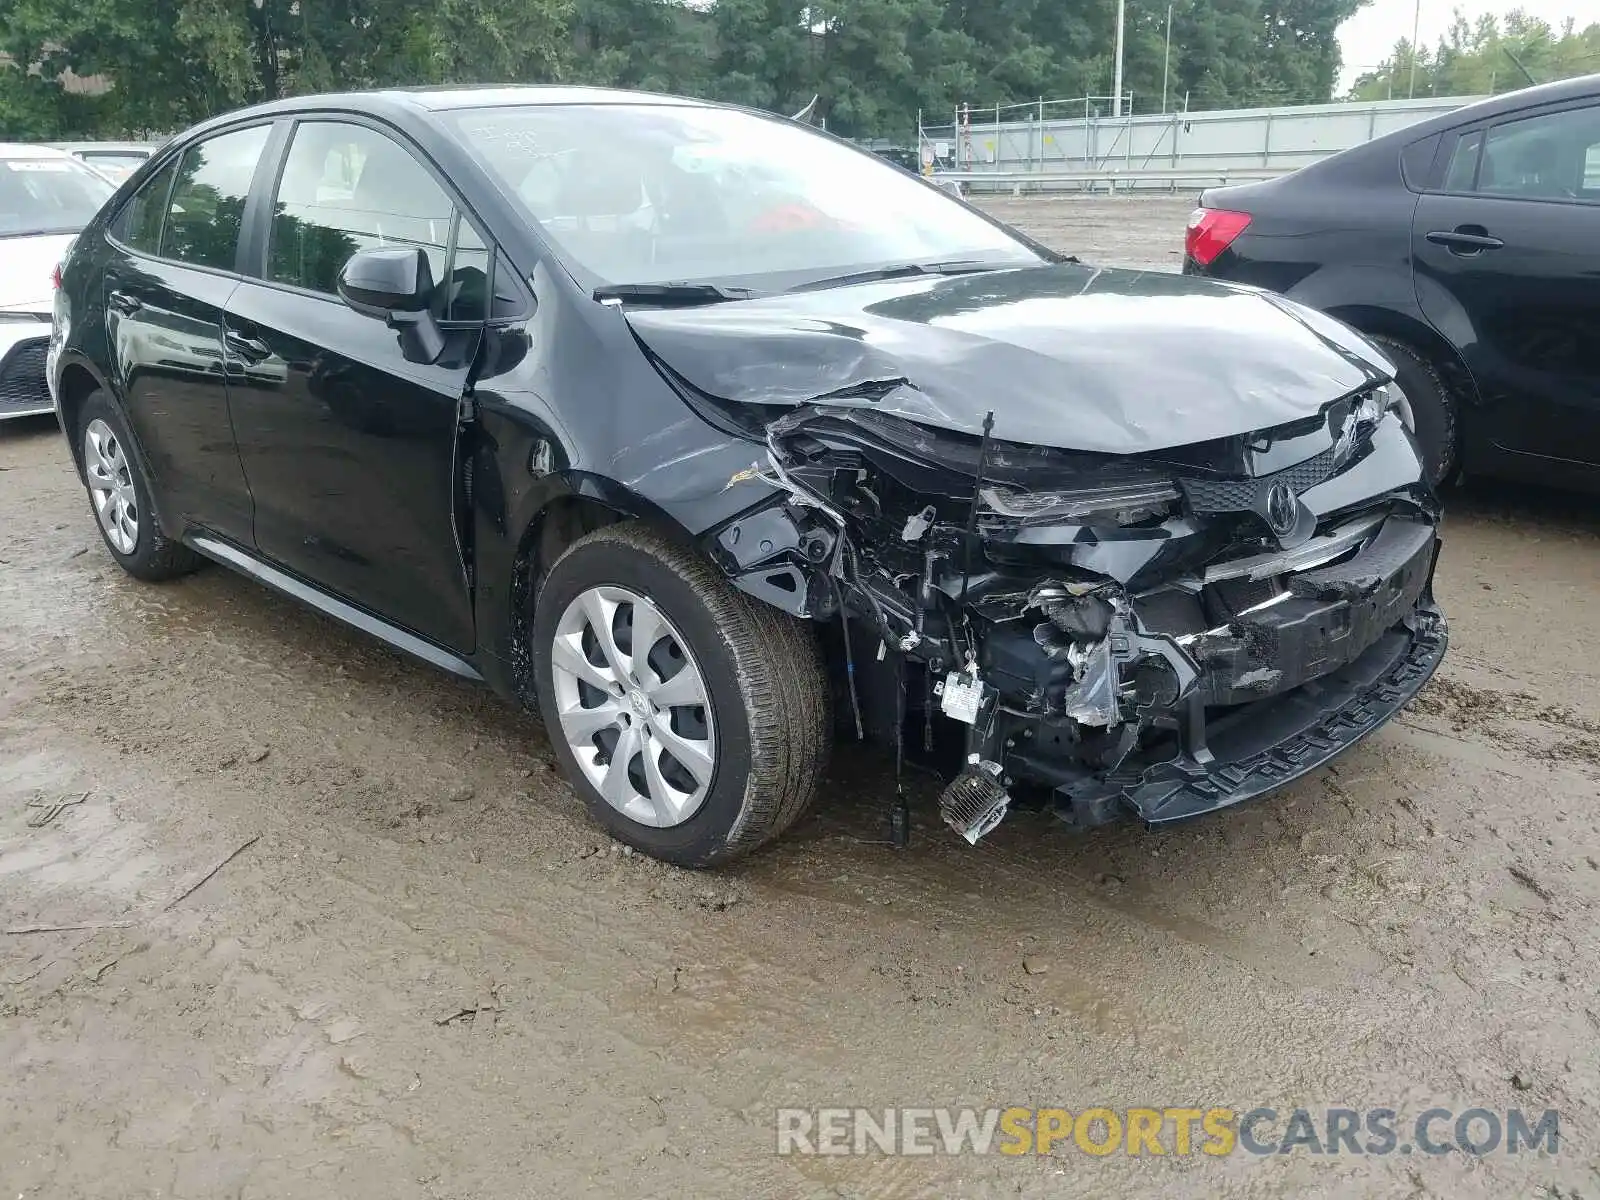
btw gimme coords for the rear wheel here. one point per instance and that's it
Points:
(692, 719)
(120, 496)
(1433, 407)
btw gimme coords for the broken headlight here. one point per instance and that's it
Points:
(1365, 415)
(1116, 504)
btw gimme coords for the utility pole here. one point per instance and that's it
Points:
(1166, 63)
(1416, 31)
(1116, 83)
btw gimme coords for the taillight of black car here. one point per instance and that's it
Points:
(1210, 232)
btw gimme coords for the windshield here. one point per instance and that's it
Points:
(657, 194)
(48, 195)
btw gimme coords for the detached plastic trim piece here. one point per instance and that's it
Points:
(1258, 748)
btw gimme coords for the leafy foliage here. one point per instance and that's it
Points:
(1482, 58)
(873, 63)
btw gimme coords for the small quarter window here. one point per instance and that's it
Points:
(1416, 162)
(1463, 173)
(468, 296)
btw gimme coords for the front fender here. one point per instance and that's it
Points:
(687, 480)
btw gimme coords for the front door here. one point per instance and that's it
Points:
(1508, 266)
(350, 449)
(170, 272)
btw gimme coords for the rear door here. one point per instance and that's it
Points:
(349, 448)
(1507, 257)
(172, 265)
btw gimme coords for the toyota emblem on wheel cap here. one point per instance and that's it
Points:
(1282, 510)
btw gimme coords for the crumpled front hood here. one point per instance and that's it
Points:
(25, 267)
(1068, 356)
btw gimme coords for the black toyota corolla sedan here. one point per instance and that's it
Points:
(692, 427)
(1467, 247)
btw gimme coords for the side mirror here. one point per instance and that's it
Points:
(384, 280)
(395, 285)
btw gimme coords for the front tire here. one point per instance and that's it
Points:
(119, 494)
(1433, 408)
(702, 742)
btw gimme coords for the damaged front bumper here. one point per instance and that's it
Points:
(1225, 627)
(1211, 759)
(1278, 691)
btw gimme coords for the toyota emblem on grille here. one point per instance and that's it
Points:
(1282, 511)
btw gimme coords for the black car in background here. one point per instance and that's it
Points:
(906, 160)
(688, 424)
(1468, 248)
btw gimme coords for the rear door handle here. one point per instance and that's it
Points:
(1466, 239)
(124, 303)
(247, 348)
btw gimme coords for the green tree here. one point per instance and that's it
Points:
(873, 63)
(654, 45)
(764, 56)
(173, 62)
(1481, 58)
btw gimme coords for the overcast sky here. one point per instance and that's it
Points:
(1369, 36)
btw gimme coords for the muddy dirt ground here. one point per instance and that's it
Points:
(426, 975)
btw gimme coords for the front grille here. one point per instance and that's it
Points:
(22, 382)
(1246, 495)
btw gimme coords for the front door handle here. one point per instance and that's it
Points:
(1465, 239)
(124, 303)
(247, 348)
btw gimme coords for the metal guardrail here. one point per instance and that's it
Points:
(1109, 179)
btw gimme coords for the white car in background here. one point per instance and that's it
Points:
(46, 197)
(115, 160)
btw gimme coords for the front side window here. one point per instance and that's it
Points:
(206, 210)
(668, 193)
(347, 188)
(1547, 157)
(48, 195)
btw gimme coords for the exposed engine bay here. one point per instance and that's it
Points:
(1165, 633)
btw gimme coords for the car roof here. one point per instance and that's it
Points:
(1579, 88)
(26, 150)
(384, 101)
(493, 96)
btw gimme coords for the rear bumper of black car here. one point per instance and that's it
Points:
(1344, 652)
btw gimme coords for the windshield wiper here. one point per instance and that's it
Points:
(959, 266)
(670, 293)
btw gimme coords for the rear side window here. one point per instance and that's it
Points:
(1546, 157)
(138, 225)
(1463, 173)
(206, 210)
(347, 188)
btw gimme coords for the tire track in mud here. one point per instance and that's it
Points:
(1518, 720)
